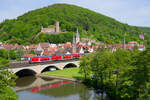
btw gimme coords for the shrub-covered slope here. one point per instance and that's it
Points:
(25, 29)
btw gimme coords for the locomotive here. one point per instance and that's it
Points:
(38, 59)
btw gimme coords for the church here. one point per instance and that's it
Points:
(76, 40)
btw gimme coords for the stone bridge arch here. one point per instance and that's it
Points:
(70, 65)
(49, 68)
(34, 70)
(25, 72)
(73, 64)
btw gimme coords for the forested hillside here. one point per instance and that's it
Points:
(26, 28)
(144, 29)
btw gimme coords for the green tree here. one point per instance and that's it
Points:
(85, 66)
(3, 53)
(6, 81)
(32, 52)
(122, 69)
(141, 75)
(123, 74)
(19, 53)
(12, 54)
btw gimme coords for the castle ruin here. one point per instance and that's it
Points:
(51, 30)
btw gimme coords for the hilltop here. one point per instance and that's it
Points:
(26, 28)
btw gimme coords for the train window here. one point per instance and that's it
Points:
(35, 59)
(42, 59)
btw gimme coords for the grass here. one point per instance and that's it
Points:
(67, 73)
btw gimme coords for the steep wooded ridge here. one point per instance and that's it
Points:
(26, 28)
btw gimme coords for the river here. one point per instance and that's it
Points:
(35, 88)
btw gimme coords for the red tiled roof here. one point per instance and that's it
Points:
(16, 45)
(129, 47)
(47, 52)
(8, 46)
(68, 44)
(44, 45)
(28, 55)
(132, 42)
(32, 46)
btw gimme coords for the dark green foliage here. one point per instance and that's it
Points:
(4, 53)
(123, 74)
(144, 29)
(25, 29)
(19, 53)
(6, 81)
(56, 38)
(32, 52)
(8, 94)
(8, 54)
(11, 54)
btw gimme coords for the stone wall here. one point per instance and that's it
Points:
(48, 30)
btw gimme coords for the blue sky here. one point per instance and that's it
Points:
(132, 12)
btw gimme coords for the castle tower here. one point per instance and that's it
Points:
(57, 26)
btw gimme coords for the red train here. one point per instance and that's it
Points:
(55, 58)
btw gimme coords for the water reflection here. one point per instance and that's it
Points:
(84, 93)
(53, 89)
(25, 81)
(49, 86)
(100, 97)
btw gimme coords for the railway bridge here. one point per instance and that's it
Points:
(26, 69)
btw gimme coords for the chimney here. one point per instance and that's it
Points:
(57, 26)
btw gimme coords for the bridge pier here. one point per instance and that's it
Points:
(38, 70)
(61, 66)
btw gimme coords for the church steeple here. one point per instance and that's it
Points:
(73, 41)
(77, 37)
(76, 40)
(77, 34)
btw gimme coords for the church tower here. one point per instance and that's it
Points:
(74, 45)
(77, 37)
(76, 40)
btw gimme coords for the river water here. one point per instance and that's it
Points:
(35, 88)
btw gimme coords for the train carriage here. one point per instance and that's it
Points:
(34, 59)
(55, 58)
(82, 55)
(75, 56)
(44, 58)
(67, 57)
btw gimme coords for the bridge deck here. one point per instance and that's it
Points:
(27, 64)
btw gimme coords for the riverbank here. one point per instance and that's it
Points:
(71, 74)
(58, 77)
